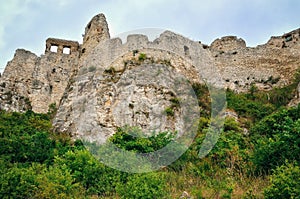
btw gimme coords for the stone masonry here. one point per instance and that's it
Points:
(36, 82)
(86, 81)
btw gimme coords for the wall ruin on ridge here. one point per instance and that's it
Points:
(75, 74)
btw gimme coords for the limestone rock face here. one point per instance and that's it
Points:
(39, 80)
(103, 84)
(32, 82)
(138, 83)
(15, 83)
(95, 32)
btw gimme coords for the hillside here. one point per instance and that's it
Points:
(37, 162)
(168, 118)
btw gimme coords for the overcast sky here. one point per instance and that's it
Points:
(28, 23)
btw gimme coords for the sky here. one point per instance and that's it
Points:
(28, 23)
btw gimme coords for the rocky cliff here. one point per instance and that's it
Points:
(105, 83)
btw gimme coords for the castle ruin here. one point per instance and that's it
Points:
(33, 82)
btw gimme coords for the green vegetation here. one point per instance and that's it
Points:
(148, 186)
(284, 183)
(169, 111)
(135, 141)
(142, 57)
(260, 162)
(277, 139)
(175, 104)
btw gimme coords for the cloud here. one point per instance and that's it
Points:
(8, 11)
(24, 24)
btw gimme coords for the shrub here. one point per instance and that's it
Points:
(232, 149)
(57, 182)
(24, 137)
(277, 139)
(169, 111)
(150, 185)
(142, 57)
(18, 182)
(246, 106)
(137, 143)
(140, 149)
(94, 176)
(284, 183)
(203, 96)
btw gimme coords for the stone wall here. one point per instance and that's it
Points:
(97, 103)
(36, 82)
(86, 82)
(39, 80)
(71, 46)
(95, 32)
(228, 43)
(240, 67)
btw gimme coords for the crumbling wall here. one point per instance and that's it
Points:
(228, 43)
(72, 47)
(95, 32)
(15, 81)
(97, 103)
(40, 81)
(270, 65)
(32, 81)
(36, 82)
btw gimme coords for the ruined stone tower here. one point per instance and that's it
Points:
(95, 32)
(85, 80)
(36, 82)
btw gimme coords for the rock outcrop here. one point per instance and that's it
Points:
(36, 82)
(105, 83)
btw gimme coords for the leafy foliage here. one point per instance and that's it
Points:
(277, 139)
(94, 176)
(18, 182)
(57, 182)
(150, 185)
(245, 106)
(35, 162)
(132, 139)
(284, 183)
(24, 137)
(142, 57)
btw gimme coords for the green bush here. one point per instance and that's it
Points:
(131, 139)
(246, 106)
(18, 182)
(232, 149)
(57, 182)
(38, 181)
(86, 170)
(169, 111)
(203, 96)
(25, 137)
(143, 186)
(142, 57)
(285, 183)
(277, 139)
